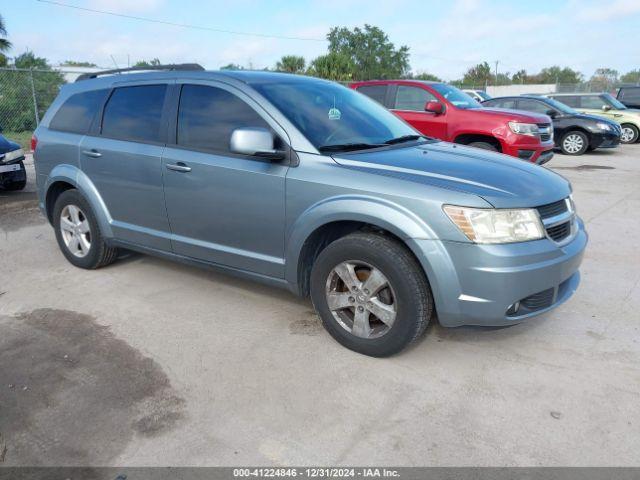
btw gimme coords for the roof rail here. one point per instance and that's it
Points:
(176, 66)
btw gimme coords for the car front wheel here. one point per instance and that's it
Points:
(630, 133)
(574, 143)
(371, 294)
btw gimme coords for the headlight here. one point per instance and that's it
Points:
(9, 156)
(489, 225)
(524, 128)
(603, 126)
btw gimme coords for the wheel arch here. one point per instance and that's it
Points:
(65, 177)
(465, 138)
(330, 220)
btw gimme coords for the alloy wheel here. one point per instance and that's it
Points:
(573, 143)
(627, 135)
(361, 299)
(76, 231)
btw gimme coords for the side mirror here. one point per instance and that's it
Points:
(255, 141)
(552, 113)
(606, 108)
(434, 107)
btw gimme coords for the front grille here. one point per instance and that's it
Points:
(559, 232)
(545, 131)
(539, 300)
(552, 209)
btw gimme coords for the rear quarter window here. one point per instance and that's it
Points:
(76, 114)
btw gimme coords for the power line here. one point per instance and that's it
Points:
(181, 25)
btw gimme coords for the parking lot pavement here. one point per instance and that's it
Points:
(149, 362)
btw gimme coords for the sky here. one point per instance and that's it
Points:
(445, 37)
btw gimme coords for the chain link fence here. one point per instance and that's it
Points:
(25, 95)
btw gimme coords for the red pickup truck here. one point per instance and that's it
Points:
(445, 112)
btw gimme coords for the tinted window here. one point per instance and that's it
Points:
(506, 103)
(376, 92)
(570, 100)
(630, 95)
(533, 106)
(413, 98)
(75, 115)
(133, 113)
(456, 96)
(592, 102)
(207, 116)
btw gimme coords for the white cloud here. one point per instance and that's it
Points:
(126, 6)
(607, 11)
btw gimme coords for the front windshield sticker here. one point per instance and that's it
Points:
(334, 114)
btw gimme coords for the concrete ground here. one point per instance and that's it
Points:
(149, 362)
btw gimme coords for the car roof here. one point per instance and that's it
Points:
(576, 94)
(531, 97)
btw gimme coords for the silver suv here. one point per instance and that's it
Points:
(304, 184)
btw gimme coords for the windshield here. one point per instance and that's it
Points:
(614, 102)
(561, 106)
(456, 96)
(330, 115)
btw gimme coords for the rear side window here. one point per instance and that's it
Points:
(133, 113)
(534, 106)
(208, 115)
(500, 103)
(413, 98)
(630, 95)
(375, 92)
(592, 102)
(76, 114)
(571, 100)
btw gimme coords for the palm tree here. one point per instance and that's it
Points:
(5, 44)
(291, 64)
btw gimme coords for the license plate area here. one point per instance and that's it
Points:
(10, 168)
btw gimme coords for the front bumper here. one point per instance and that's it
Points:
(605, 140)
(13, 171)
(481, 284)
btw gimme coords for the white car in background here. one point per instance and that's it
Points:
(479, 95)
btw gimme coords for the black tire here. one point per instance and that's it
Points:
(413, 299)
(99, 254)
(580, 140)
(483, 146)
(635, 133)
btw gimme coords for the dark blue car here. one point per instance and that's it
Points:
(12, 173)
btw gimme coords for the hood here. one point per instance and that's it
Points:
(513, 115)
(7, 145)
(503, 181)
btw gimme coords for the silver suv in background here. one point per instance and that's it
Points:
(305, 184)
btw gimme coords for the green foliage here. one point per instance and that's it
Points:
(5, 45)
(291, 64)
(603, 79)
(478, 75)
(147, 63)
(232, 66)
(556, 74)
(425, 76)
(73, 63)
(631, 77)
(17, 89)
(369, 52)
(332, 66)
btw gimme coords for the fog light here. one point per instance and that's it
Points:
(525, 154)
(513, 309)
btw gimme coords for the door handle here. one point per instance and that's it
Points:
(178, 167)
(92, 153)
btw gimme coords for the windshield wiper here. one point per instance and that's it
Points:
(346, 147)
(404, 138)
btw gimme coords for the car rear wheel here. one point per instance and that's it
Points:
(484, 146)
(371, 294)
(630, 133)
(78, 233)
(574, 143)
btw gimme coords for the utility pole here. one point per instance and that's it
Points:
(497, 72)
